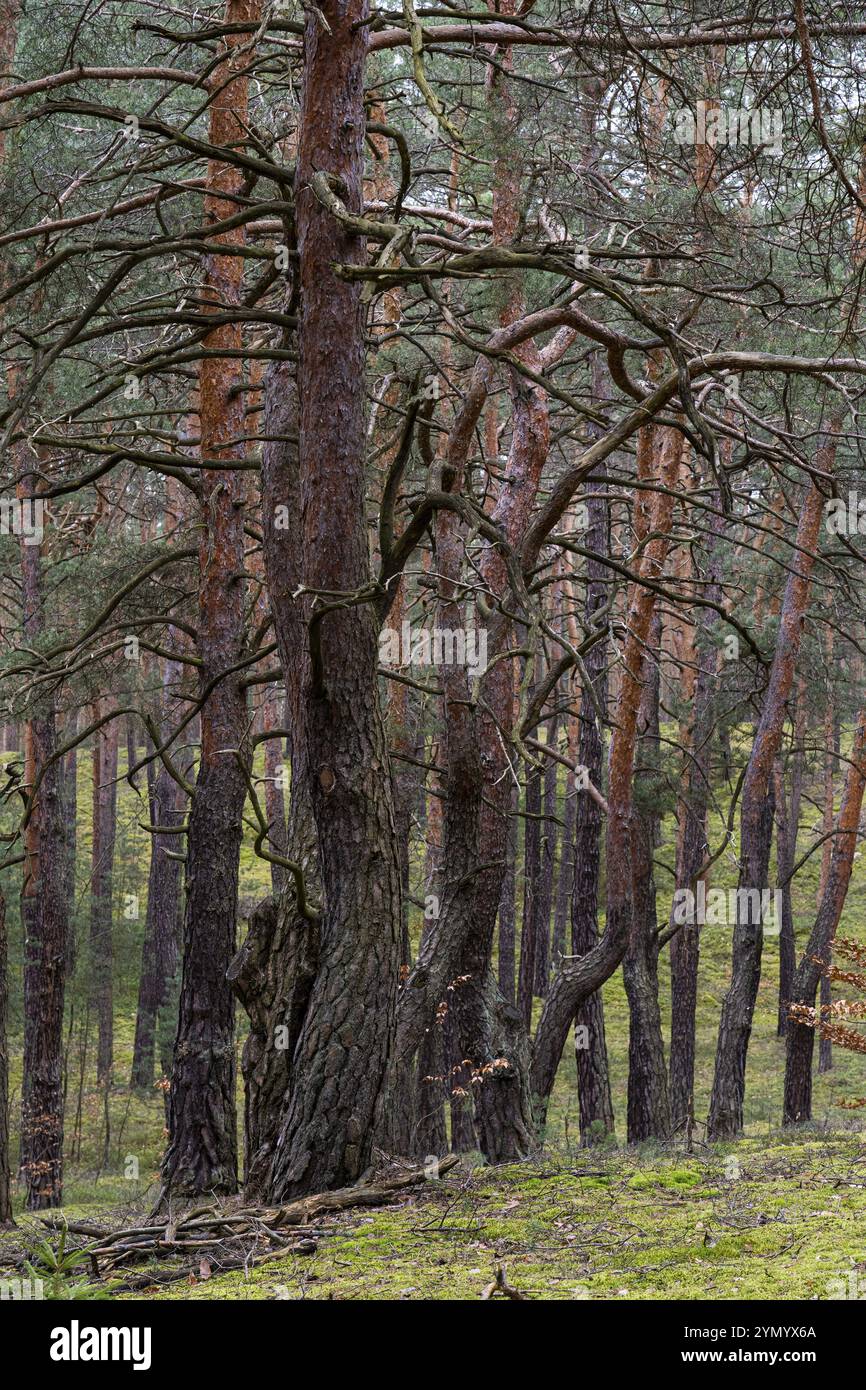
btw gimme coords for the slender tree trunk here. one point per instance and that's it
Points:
(565, 878)
(275, 800)
(692, 851)
(831, 732)
(5, 1173)
(104, 820)
(580, 978)
(44, 914)
(756, 828)
(530, 922)
(801, 1037)
(648, 1101)
(160, 950)
(202, 1152)
(544, 900)
(508, 911)
(784, 865)
(69, 797)
(590, 1054)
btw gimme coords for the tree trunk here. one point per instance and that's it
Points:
(44, 916)
(340, 1065)
(202, 1152)
(5, 1173)
(756, 828)
(544, 900)
(530, 924)
(801, 1037)
(691, 853)
(590, 1043)
(275, 800)
(565, 878)
(160, 950)
(508, 911)
(104, 822)
(648, 1102)
(784, 865)
(580, 978)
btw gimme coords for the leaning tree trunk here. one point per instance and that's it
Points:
(756, 827)
(202, 1152)
(341, 1062)
(800, 1036)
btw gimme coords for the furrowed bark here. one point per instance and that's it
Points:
(202, 1152)
(590, 1055)
(340, 1064)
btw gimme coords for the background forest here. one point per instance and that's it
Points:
(432, 649)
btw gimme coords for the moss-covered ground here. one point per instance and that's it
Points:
(777, 1215)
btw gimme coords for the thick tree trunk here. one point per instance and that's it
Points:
(800, 1037)
(340, 1066)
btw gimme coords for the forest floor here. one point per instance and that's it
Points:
(780, 1217)
(776, 1215)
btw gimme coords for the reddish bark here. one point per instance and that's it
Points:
(341, 1061)
(202, 1152)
